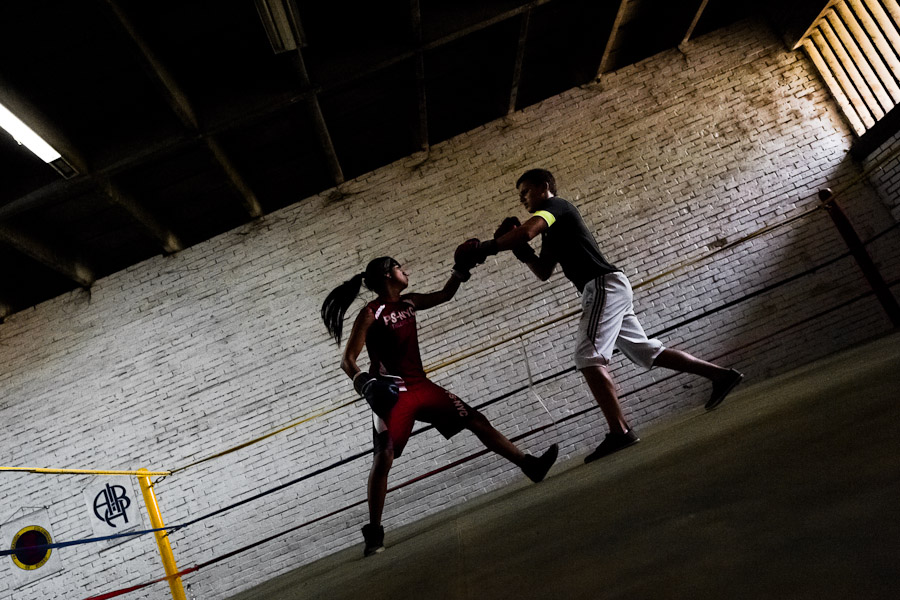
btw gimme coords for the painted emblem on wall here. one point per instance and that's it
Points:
(112, 507)
(112, 503)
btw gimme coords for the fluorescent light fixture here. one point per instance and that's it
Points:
(282, 24)
(23, 134)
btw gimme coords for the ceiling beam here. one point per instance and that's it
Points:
(520, 59)
(174, 96)
(248, 197)
(447, 39)
(311, 91)
(168, 240)
(693, 25)
(422, 127)
(147, 154)
(625, 7)
(168, 147)
(111, 193)
(182, 107)
(60, 188)
(314, 110)
(49, 194)
(41, 252)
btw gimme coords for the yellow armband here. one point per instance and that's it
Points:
(546, 216)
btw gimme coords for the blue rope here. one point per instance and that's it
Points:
(88, 540)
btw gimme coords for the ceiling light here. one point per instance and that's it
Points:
(23, 134)
(282, 24)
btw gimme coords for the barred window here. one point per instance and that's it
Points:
(855, 45)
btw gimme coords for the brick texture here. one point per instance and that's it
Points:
(184, 356)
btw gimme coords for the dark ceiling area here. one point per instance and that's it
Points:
(178, 120)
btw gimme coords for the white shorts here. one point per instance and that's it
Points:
(608, 321)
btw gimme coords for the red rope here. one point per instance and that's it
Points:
(446, 467)
(292, 529)
(141, 585)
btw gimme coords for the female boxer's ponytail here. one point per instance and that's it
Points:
(341, 297)
(337, 303)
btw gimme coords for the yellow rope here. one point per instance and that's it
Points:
(266, 436)
(864, 173)
(81, 471)
(455, 359)
(549, 322)
(524, 332)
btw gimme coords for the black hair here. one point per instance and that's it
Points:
(538, 177)
(341, 297)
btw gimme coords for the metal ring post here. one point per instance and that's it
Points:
(162, 540)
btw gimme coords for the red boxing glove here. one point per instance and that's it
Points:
(464, 259)
(466, 254)
(474, 252)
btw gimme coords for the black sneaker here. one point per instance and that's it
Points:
(374, 536)
(536, 467)
(723, 388)
(612, 443)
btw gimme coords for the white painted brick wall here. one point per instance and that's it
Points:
(884, 168)
(183, 356)
(885, 177)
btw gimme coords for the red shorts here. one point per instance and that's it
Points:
(421, 401)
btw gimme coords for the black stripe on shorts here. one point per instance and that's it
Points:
(597, 309)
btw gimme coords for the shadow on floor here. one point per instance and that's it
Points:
(789, 490)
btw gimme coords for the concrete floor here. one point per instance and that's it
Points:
(791, 489)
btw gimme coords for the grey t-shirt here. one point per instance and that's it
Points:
(568, 242)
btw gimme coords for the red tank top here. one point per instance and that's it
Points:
(393, 341)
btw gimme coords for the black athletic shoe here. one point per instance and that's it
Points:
(723, 388)
(374, 536)
(536, 467)
(612, 443)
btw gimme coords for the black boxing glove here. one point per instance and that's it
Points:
(508, 224)
(524, 252)
(381, 393)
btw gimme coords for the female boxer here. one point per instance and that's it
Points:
(395, 385)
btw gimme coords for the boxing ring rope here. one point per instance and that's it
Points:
(264, 437)
(425, 475)
(438, 470)
(568, 315)
(80, 471)
(463, 460)
(517, 336)
(143, 475)
(492, 401)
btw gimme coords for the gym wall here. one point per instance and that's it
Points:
(184, 356)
